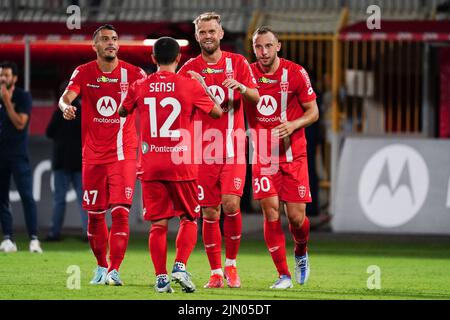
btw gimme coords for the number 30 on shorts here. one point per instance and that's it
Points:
(262, 184)
(90, 196)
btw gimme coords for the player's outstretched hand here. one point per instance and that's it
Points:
(197, 76)
(69, 113)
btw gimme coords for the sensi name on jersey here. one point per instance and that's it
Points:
(162, 87)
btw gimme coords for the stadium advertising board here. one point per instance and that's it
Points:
(393, 186)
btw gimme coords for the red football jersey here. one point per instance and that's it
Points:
(166, 103)
(234, 66)
(282, 94)
(105, 136)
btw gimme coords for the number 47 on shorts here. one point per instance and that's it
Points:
(90, 196)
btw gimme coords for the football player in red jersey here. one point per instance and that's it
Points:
(279, 166)
(222, 172)
(167, 103)
(109, 146)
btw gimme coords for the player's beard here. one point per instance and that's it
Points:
(268, 62)
(210, 49)
(109, 56)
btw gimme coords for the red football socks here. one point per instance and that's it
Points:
(232, 229)
(275, 241)
(118, 236)
(212, 240)
(157, 243)
(98, 236)
(186, 240)
(301, 237)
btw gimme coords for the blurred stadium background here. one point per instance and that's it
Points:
(381, 151)
(377, 88)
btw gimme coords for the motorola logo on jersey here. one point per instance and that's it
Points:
(217, 92)
(106, 106)
(267, 105)
(393, 185)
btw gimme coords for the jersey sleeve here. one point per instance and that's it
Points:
(185, 68)
(305, 92)
(140, 73)
(246, 75)
(75, 82)
(201, 100)
(129, 103)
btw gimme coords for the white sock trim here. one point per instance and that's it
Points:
(120, 207)
(217, 271)
(230, 262)
(96, 212)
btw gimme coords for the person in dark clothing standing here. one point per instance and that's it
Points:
(15, 110)
(66, 166)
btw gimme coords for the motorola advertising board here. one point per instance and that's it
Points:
(395, 185)
(40, 154)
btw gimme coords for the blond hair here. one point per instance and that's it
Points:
(207, 16)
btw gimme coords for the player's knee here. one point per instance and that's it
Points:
(231, 204)
(211, 213)
(297, 220)
(120, 214)
(271, 213)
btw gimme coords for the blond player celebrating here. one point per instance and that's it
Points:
(222, 173)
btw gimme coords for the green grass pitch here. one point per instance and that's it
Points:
(410, 269)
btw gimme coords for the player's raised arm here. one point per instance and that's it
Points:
(201, 80)
(249, 94)
(65, 104)
(216, 112)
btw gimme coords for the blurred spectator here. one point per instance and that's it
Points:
(15, 110)
(66, 165)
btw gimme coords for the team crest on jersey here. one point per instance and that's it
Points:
(237, 183)
(212, 71)
(107, 80)
(284, 86)
(229, 74)
(302, 191)
(128, 192)
(266, 80)
(124, 87)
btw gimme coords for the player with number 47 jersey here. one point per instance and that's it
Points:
(109, 146)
